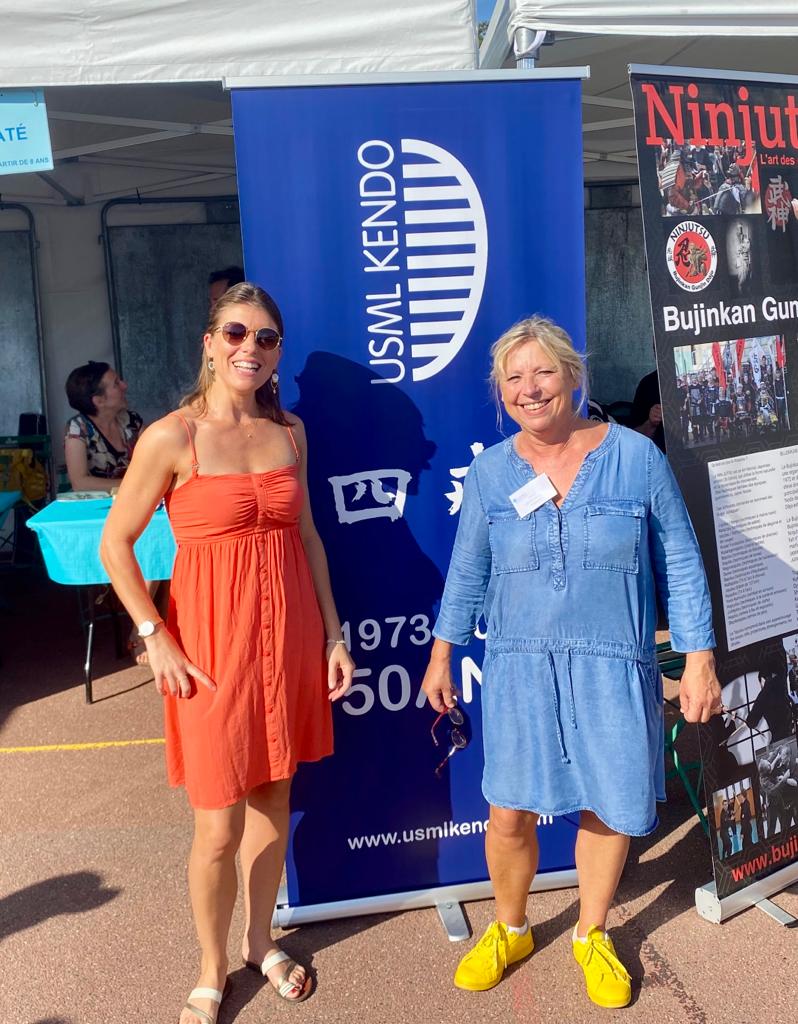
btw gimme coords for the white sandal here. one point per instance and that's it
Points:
(206, 993)
(284, 986)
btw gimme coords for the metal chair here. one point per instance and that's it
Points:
(671, 665)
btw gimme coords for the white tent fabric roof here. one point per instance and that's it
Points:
(92, 42)
(702, 34)
(662, 18)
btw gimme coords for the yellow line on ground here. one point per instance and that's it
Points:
(46, 748)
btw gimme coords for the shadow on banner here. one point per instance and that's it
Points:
(379, 577)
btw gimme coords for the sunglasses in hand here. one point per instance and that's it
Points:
(457, 739)
(235, 334)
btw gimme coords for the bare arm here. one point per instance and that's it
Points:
(152, 468)
(340, 662)
(77, 464)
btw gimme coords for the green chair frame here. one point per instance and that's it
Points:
(671, 665)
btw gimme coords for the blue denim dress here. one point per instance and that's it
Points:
(571, 695)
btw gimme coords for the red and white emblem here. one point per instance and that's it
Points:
(691, 255)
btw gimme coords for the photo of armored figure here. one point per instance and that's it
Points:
(739, 255)
(705, 180)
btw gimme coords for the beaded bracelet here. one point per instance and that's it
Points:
(336, 641)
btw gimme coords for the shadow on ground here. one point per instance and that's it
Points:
(42, 644)
(76, 893)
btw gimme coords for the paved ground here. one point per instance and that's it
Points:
(95, 927)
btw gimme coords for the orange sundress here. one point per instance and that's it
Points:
(243, 607)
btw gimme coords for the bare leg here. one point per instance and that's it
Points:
(511, 848)
(600, 857)
(263, 849)
(213, 884)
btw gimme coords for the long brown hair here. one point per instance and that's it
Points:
(267, 397)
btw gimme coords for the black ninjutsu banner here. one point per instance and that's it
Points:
(718, 161)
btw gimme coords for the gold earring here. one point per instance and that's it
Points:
(275, 382)
(211, 367)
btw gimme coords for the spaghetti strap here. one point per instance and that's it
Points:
(290, 430)
(194, 463)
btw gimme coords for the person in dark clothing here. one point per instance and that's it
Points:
(646, 415)
(742, 418)
(792, 679)
(723, 416)
(729, 199)
(711, 395)
(697, 408)
(725, 831)
(746, 824)
(781, 398)
(748, 391)
(776, 782)
(772, 704)
(219, 281)
(684, 408)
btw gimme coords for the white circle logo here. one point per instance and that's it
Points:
(692, 256)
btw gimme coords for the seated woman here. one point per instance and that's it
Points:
(99, 441)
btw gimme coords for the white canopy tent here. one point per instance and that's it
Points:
(137, 105)
(137, 108)
(113, 42)
(610, 35)
(186, 129)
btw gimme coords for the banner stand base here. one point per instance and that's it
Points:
(755, 895)
(445, 898)
(453, 920)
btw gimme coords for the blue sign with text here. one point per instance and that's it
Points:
(24, 132)
(402, 229)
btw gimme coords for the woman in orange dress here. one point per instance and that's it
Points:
(251, 653)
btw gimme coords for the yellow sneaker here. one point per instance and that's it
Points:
(484, 966)
(608, 981)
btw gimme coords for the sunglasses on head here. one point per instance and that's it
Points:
(235, 333)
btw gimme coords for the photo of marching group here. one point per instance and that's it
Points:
(731, 390)
(702, 181)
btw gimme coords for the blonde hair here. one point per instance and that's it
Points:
(267, 397)
(554, 341)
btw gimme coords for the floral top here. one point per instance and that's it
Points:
(103, 459)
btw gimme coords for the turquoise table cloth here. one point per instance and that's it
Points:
(69, 535)
(8, 500)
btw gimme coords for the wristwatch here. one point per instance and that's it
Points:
(148, 627)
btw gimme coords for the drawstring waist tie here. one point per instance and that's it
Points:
(555, 691)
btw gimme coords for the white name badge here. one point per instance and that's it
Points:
(532, 495)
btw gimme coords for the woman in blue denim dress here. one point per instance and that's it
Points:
(568, 531)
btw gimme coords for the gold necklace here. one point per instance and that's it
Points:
(250, 430)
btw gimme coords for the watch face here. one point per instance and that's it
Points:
(147, 628)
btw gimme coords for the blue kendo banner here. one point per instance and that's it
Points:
(402, 228)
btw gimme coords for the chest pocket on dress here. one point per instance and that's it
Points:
(612, 535)
(512, 543)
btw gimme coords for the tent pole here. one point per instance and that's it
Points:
(526, 44)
